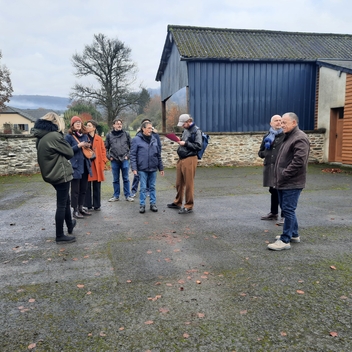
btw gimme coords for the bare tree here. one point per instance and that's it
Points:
(109, 62)
(5, 85)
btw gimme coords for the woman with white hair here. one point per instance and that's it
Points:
(53, 154)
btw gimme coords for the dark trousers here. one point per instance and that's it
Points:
(274, 201)
(93, 195)
(78, 190)
(63, 211)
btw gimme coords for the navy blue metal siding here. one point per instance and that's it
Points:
(242, 97)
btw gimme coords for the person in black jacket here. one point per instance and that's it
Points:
(145, 158)
(78, 139)
(118, 144)
(53, 153)
(189, 144)
(268, 151)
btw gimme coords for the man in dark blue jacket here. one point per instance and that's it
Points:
(145, 156)
(135, 181)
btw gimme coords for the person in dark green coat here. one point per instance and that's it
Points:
(53, 153)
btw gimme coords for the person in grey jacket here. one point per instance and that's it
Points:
(290, 178)
(118, 144)
(145, 161)
(53, 153)
(189, 144)
(268, 151)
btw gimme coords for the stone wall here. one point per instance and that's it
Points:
(238, 149)
(18, 154)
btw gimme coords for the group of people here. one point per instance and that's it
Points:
(285, 150)
(63, 164)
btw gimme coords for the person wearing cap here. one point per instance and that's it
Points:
(118, 145)
(78, 139)
(135, 181)
(189, 144)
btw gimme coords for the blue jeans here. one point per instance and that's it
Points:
(135, 183)
(116, 166)
(147, 178)
(288, 199)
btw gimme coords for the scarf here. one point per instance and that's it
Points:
(269, 139)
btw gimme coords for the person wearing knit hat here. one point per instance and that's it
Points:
(78, 139)
(75, 119)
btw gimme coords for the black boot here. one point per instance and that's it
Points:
(65, 239)
(76, 214)
(70, 229)
(84, 211)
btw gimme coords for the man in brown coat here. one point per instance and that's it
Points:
(290, 178)
(268, 151)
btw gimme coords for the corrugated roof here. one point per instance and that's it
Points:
(223, 43)
(203, 43)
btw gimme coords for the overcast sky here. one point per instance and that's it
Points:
(38, 38)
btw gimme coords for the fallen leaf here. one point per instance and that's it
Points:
(90, 334)
(334, 334)
(149, 322)
(158, 296)
(206, 273)
(89, 293)
(86, 256)
(31, 346)
(176, 250)
(129, 281)
(181, 281)
(187, 323)
(80, 286)
(333, 267)
(242, 312)
(215, 236)
(102, 333)
(343, 297)
(200, 315)
(31, 300)
(185, 335)
(243, 294)
(74, 259)
(157, 283)
(300, 292)
(283, 333)
(169, 285)
(204, 277)
(149, 252)
(121, 328)
(164, 310)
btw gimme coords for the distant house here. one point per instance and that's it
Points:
(237, 79)
(20, 120)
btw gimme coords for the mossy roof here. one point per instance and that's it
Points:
(223, 43)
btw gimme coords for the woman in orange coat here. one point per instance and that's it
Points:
(98, 165)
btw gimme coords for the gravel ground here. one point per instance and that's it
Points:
(168, 282)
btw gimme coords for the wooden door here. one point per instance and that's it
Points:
(336, 130)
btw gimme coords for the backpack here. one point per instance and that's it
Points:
(205, 142)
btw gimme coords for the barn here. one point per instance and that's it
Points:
(236, 79)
